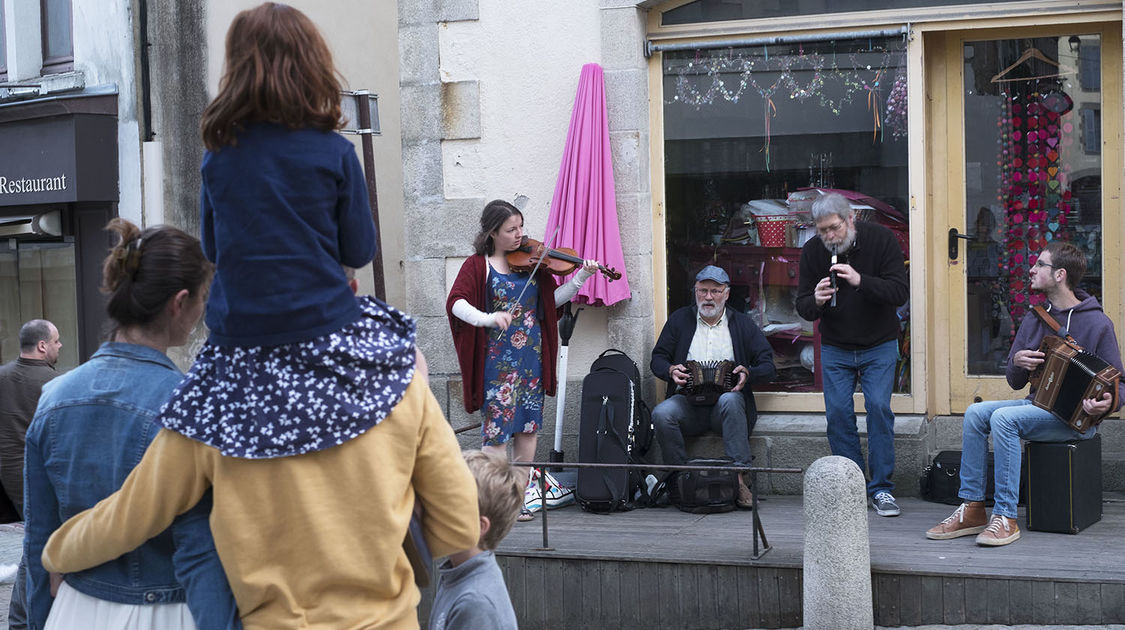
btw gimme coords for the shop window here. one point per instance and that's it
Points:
(37, 281)
(721, 10)
(752, 135)
(58, 45)
(1033, 175)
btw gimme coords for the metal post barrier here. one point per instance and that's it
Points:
(758, 529)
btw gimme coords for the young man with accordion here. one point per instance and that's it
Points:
(1076, 317)
(710, 355)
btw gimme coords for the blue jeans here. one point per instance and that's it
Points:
(874, 369)
(17, 606)
(1008, 421)
(676, 417)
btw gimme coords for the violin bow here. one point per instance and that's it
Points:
(547, 248)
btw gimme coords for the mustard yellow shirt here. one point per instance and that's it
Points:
(308, 541)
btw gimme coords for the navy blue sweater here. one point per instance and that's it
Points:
(281, 212)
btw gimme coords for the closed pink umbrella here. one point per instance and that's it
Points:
(584, 209)
(585, 201)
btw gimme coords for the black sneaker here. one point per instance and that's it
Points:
(884, 504)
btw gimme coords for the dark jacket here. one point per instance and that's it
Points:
(864, 316)
(751, 349)
(1086, 322)
(21, 382)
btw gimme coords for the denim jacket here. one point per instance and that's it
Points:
(90, 430)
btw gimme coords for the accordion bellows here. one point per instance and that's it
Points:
(707, 380)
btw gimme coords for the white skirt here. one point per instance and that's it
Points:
(72, 609)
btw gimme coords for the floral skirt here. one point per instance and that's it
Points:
(263, 402)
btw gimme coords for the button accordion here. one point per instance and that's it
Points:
(707, 380)
(1068, 375)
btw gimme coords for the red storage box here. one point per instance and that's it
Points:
(772, 229)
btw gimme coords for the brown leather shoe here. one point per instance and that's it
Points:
(745, 498)
(966, 520)
(1001, 530)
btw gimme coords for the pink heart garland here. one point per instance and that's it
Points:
(1052, 141)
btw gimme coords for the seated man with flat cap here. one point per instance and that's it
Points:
(709, 331)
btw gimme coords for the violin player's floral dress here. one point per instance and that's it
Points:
(513, 388)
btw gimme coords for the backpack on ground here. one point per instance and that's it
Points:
(704, 491)
(615, 428)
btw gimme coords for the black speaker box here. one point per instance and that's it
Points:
(1064, 485)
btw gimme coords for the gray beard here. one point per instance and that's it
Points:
(844, 246)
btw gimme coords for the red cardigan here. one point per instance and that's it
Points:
(471, 341)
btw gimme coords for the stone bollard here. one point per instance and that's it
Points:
(837, 576)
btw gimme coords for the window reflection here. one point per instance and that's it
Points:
(37, 281)
(1033, 174)
(752, 136)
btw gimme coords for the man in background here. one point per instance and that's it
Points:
(21, 382)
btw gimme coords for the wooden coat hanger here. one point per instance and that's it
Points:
(1032, 53)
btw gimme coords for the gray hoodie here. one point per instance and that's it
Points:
(1089, 326)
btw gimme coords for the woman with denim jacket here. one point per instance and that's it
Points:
(90, 430)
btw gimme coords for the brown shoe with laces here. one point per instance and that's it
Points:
(745, 498)
(966, 520)
(1001, 530)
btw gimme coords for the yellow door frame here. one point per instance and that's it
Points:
(946, 193)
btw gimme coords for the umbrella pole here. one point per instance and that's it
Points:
(566, 329)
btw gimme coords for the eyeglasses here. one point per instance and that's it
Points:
(831, 229)
(1041, 263)
(704, 292)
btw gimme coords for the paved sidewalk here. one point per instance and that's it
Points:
(11, 548)
(998, 627)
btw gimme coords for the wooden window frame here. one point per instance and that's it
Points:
(64, 63)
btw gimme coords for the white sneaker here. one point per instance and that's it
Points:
(531, 499)
(557, 494)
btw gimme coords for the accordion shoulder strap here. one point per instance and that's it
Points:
(1054, 325)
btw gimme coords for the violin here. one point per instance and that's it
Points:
(560, 262)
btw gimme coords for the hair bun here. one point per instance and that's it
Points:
(125, 257)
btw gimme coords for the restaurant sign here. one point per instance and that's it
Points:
(58, 159)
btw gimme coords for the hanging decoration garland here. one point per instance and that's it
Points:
(873, 106)
(816, 81)
(767, 92)
(849, 82)
(751, 70)
(896, 117)
(1032, 189)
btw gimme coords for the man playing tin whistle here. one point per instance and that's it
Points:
(1056, 274)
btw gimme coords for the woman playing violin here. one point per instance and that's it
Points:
(505, 329)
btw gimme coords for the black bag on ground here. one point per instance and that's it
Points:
(941, 480)
(615, 428)
(704, 491)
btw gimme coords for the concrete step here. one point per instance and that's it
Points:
(797, 440)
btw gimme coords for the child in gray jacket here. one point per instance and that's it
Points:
(471, 593)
